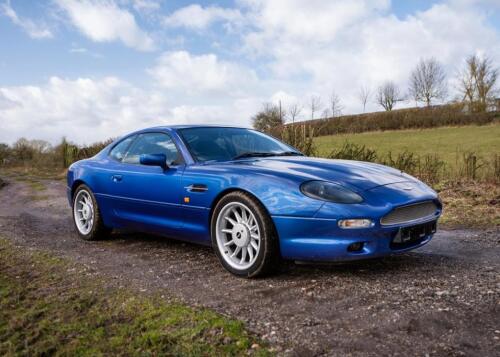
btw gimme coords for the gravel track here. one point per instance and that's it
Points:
(442, 299)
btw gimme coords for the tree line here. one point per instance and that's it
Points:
(476, 84)
(42, 155)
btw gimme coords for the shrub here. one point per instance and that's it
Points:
(300, 137)
(70, 153)
(496, 168)
(405, 161)
(351, 151)
(469, 165)
(429, 168)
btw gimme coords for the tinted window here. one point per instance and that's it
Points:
(118, 152)
(152, 143)
(223, 144)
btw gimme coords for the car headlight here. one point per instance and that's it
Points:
(328, 191)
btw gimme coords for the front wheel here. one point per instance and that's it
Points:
(87, 216)
(243, 235)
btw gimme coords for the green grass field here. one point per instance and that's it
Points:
(444, 141)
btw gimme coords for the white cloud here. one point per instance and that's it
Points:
(87, 110)
(104, 21)
(314, 20)
(198, 18)
(6, 103)
(84, 110)
(145, 5)
(34, 30)
(341, 45)
(466, 3)
(204, 73)
(286, 99)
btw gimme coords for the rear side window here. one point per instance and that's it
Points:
(153, 143)
(118, 152)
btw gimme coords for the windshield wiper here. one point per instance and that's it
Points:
(253, 154)
(289, 153)
(266, 154)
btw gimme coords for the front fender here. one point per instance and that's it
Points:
(280, 196)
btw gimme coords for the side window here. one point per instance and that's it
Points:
(118, 152)
(152, 143)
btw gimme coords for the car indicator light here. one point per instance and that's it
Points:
(355, 223)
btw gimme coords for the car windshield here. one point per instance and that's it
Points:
(224, 144)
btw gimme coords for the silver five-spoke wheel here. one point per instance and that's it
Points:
(83, 211)
(238, 235)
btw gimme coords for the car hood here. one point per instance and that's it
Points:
(355, 174)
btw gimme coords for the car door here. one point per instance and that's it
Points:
(144, 197)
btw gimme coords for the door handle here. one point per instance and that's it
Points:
(116, 178)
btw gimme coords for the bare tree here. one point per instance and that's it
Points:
(325, 114)
(477, 82)
(388, 95)
(315, 105)
(281, 114)
(335, 105)
(364, 94)
(40, 146)
(428, 81)
(268, 118)
(294, 111)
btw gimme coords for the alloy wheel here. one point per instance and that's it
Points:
(238, 235)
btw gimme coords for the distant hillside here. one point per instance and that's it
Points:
(410, 118)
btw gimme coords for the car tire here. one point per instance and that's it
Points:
(235, 232)
(87, 216)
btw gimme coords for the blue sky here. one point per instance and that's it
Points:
(92, 69)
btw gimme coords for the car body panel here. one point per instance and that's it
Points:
(178, 202)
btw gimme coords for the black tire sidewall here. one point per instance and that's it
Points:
(266, 251)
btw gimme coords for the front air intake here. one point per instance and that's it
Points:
(410, 213)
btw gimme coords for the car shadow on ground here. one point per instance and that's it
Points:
(144, 243)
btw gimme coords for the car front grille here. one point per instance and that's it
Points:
(410, 213)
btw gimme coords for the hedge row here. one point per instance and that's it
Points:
(412, 118)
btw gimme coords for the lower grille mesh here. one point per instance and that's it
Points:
(410, 213)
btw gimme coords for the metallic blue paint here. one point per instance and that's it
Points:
(149, 198)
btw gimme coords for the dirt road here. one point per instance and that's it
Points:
(443, 299)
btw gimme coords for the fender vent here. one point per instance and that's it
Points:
(410, 213)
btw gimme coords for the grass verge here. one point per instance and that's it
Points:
(51, 306)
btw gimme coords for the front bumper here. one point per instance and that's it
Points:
(313, 239)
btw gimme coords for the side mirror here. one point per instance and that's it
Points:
(154, 160)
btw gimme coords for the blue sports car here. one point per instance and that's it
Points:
(251, 197)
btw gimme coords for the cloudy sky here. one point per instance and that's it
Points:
(94, 69)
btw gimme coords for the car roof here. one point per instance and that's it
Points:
(186, 126)
(174, 128)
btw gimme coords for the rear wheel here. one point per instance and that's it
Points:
(87, 216)
(243, 235)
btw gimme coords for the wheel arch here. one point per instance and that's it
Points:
(223, 193)
(77, 183)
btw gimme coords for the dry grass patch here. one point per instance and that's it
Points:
(470, 204)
